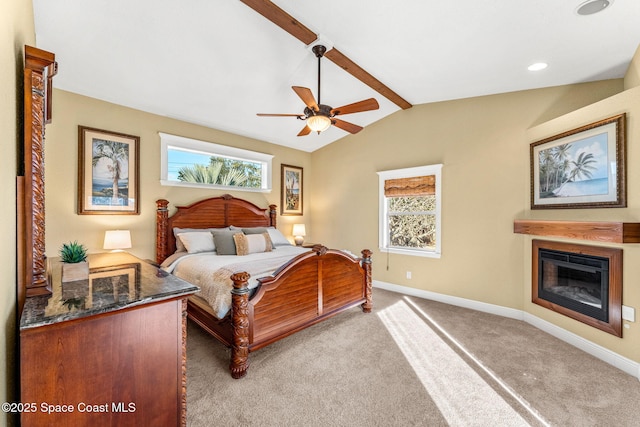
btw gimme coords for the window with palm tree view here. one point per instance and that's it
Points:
(189, 162)
(410, 211)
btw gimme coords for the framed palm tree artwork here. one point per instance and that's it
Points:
(108, 172)
(581, 168)
(291, 192)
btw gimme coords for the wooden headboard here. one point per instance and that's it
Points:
(216, 212)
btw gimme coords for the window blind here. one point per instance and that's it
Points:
(414, 186)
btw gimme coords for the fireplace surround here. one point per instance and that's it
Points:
(579, 281)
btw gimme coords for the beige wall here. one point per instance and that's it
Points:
(632, 77)
(626, 102)
(63, 224)
(16, 30)
(481, 143)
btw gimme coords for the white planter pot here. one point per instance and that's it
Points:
(75, 271)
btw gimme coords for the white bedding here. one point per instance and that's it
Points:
(212, 272)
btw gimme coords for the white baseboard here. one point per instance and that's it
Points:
(624, 364)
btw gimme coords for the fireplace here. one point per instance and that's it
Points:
(579, 281)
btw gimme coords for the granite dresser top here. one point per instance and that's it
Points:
(116, 280)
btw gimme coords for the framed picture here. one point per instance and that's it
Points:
(291, 193)
(108, 172)
(581, 168)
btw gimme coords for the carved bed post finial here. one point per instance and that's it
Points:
(240, 325)
(319, 249)
(367, 306)
(162, 217)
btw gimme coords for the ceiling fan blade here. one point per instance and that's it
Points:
(280, 115)
(349, 127)
(356, 107)
(305, 131)
(307, 97)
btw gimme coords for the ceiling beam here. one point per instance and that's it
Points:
(359, 73)
(292, 26)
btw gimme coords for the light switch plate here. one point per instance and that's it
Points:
(628, 313)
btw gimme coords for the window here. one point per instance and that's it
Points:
(192, 163)
(410, 211)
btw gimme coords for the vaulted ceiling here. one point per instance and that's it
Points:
(218, 63)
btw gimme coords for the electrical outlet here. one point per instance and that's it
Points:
(628, 313)
(408, 275)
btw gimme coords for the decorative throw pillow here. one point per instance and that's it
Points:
(252, 243)
(277, 238)
(223, 240)
(197, 241)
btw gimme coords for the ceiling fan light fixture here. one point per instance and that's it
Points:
(318, 123)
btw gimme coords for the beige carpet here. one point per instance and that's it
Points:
(412, 362)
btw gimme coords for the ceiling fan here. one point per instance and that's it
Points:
(320, 116)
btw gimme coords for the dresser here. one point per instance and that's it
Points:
(108, 350)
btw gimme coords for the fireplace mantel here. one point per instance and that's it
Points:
(600, 231)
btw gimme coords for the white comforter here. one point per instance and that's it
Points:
(212, 272)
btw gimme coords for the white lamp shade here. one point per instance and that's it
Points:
(298, 230)
(117, 239)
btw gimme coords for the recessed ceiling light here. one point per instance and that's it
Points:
(593, 6)
(537, 66)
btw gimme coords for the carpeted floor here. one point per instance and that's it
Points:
(412, 362)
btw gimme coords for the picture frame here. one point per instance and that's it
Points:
(107, 161)
(292, 190)
(581, 168)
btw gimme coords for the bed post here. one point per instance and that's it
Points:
(366, 264)
(162, 216)
(273, 214)
(240, 325)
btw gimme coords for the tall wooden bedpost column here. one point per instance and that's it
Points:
(39, 68)
(162, 216)
(273, 215)
(240, 325)
(366, 264)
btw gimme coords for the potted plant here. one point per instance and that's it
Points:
(74, 262)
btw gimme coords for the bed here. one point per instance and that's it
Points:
(312, 285)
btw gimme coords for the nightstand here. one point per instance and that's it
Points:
(309, 245)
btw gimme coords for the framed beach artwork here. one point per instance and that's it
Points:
(108, 172)
(581, 168)
(291, 193)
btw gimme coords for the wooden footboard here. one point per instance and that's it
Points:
(310, 288)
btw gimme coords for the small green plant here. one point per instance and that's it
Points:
(73, 252)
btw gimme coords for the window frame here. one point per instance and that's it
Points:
(383, 222)
(168, 141)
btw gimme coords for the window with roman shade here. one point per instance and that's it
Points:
(410, 210)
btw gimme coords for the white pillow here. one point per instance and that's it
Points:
(277, 238)
(197, 241)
